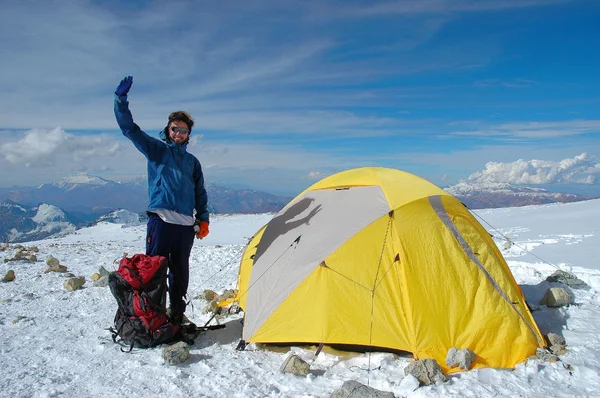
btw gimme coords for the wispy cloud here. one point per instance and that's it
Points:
(73, 54)
(534, 130)
(514, 83)
(409, 7)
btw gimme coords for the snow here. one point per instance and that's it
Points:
(61, 347)
(78, 179)
(50, 220)
(47, 213)
(11, 204)
(122, 216)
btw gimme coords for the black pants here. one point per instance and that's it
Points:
(175, 243)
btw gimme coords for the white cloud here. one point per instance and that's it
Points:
(582, 169)
(35, 146)
(316, 175)
(40, 148)
(42, 155)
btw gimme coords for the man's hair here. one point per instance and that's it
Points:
(182, 117)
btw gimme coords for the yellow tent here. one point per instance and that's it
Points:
(382, 258)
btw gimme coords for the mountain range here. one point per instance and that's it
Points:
(495, 195)
(31, 213)
(89, 197)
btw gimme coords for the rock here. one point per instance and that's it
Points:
(52, 261)
(556, 297)
(208, 295)
(103, 271)
(295, 365)
(554, 338)
(101, 282)
(545, 356)
(69, 275)
(56, 268)
(18, 319)
(95, 276)
(568, 279)
(427, 371)
(463, 358)
(354, 389)
(176, 353)
(9, 276)
(22, 255)
(33, 249)
(558, 349)
(74, 283)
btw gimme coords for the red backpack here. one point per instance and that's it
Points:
(140, 288)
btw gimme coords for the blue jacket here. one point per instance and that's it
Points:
(175, 179)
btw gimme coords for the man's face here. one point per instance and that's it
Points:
(178, 131)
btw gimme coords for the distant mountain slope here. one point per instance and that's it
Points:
(84, 195)
(226, 200)
(21, 224)
(493, 195)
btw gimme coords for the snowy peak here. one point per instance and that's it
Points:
(48, 213)
(80, 179)
(493, 195)
(21, 224)
(122, 216)
(466, 188)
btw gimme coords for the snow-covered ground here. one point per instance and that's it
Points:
(54, 342)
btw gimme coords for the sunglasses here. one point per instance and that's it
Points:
(182, 130)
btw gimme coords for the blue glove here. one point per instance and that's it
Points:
(124, 86)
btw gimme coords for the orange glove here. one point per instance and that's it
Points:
(201, 229)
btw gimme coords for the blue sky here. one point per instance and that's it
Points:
(287, 92)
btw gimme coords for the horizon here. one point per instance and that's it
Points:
(586, 190)
(287, 93)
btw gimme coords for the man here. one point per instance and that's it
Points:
(177, 200)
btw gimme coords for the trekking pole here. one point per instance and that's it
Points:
(213, 327)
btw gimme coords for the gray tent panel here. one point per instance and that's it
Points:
(300, 237)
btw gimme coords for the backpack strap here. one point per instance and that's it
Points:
(134, 273)
(130, 347)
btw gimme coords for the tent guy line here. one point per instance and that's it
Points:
(508, 239)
